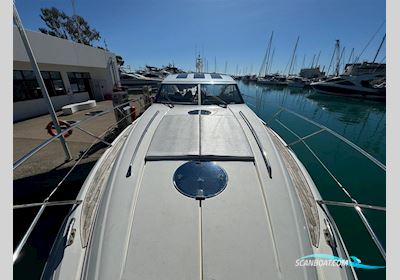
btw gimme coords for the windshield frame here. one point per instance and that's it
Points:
(199, 100)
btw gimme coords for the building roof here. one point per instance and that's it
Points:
(198, 78)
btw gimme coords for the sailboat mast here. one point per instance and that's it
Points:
(270, 62)
(337, 57)
(379, 49)
(316, 63)
(351, 55)
(312, 63)
(266, 56)
(294, 52)
(269, 52)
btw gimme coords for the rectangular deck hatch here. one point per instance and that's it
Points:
(198, 76)
(182, 76)
(215, 76)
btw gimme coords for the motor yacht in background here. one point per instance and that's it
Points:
(296, 81)
(197, 188)
(135, 79)
(273, 80)
(360, 86)
(361, 80)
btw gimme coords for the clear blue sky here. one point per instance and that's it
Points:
(159, 32)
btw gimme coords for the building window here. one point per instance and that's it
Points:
(54, 83)
(26, 86)
(79, 81)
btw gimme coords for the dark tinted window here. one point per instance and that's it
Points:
(79, 81)
(182, 76)
(198, 76)
(215, 76)
(26, 86)
(177, 93)
(220, 94)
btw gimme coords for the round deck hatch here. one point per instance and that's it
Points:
(200, 179)
(196, 112)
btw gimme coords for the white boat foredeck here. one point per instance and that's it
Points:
(253, 229)
(139, 225)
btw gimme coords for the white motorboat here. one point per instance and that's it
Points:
(135, 79)
(197, 188)
(296, 81)
(359, 86)
(275, 80)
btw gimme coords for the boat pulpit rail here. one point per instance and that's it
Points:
(46, 202)
(354, 204)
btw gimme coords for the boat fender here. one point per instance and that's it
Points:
(63, 125)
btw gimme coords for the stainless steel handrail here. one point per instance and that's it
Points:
(46, 201)
(348, 142)
(262, 150)
(354, 204)
(36, 149)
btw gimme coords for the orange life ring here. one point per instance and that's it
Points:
(63, 125)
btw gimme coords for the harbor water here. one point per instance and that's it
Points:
(360, 121)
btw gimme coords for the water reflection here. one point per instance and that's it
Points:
(362, 122)
(348, 110)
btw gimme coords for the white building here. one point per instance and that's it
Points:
(72, 73)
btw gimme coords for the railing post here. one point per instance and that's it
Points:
(35, 67)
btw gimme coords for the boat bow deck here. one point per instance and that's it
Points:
(251, 230)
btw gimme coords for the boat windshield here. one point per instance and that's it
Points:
(219, 94)
(177, 93)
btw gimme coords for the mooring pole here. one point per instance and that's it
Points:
(35, 67)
